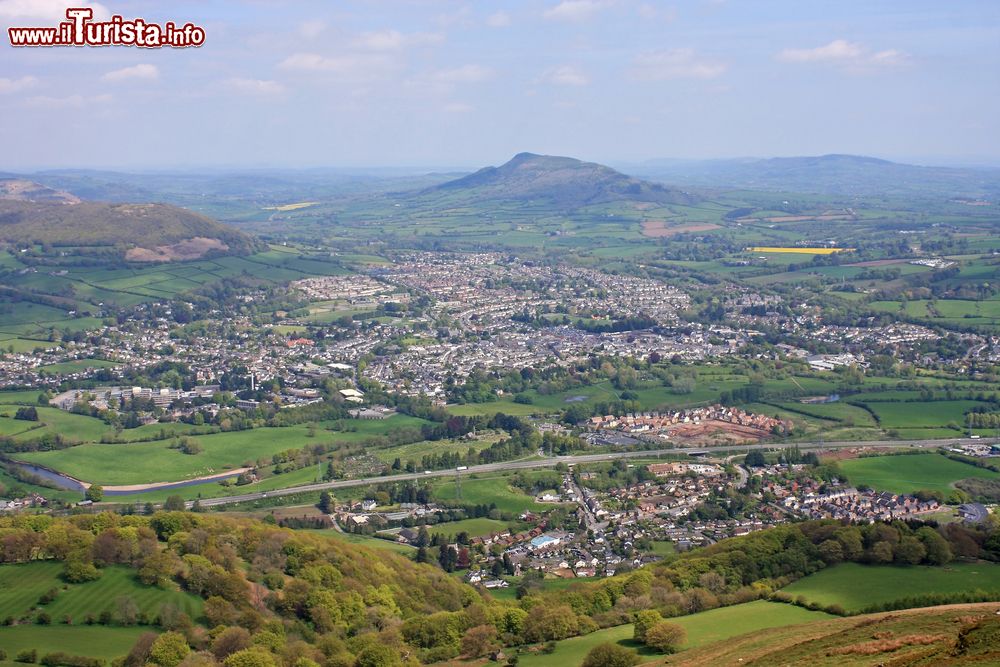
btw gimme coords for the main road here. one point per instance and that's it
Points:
(551, 462)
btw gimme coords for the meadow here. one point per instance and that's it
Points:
(488, 490)
(910, 473)
(856, 587)
(703, 628)
(94, 641)
(21, 586)
(149, 462)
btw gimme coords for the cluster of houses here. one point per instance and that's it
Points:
(15, 504)
(666, 423)
(861, 506)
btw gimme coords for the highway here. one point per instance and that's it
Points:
(507, 466)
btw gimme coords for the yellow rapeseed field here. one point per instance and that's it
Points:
(804, 251)
(290, 207)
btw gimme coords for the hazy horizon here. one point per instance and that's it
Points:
(460, 85)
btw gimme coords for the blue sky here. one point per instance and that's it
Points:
(462, 84)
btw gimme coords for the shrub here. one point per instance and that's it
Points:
(610, 655)
(665, 637)
(28, 655)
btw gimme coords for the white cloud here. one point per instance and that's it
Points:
(393, 40)
(458, 107)
(256, 86)
(654, 13)
(349, 65)
(312, 29)
(565, 75)
(463, 74)
(45, 12)
(574, 10)
(674, 64)
(498, 20)
(16, 85)
(68, 102)
(142, 71)
(842, 53)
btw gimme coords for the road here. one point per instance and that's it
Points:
(506, 466)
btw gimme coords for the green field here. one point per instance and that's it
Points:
(474, 527)
(148, 462)
(488, 491)
(366, 541)
(22, 585)
(921, 414)
(907, 474)
(855, 587)
(702, 628)
(92, 641)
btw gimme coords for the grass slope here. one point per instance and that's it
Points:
(704, 628)
(855, 587)
(906, 474)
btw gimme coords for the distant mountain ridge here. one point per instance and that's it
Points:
(564, 181)
(834, 174)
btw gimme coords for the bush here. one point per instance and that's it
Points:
(610, 655)
(60, 659)
(27, 655)
(665, 637)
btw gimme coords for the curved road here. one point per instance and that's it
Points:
(569, 460)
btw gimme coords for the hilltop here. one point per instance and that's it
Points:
(142, 232)
(835, 174)
(562, 181)
(21, 189)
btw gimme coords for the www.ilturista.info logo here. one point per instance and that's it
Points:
(82, 30)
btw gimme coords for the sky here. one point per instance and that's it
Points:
(461, 84)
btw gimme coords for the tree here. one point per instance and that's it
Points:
(938, 549)
(609, 654)
(643, 621)
(29, 414)
(95, 493)
(250, 657)
(755, 459)
(229, 641)
(325, 503)
(909, 551)
(665, 637)
(174, 504)
(169, 649)
(139, 654)
(479, 641)
(546, 623)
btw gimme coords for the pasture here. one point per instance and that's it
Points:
(703, 628)
(150, 462)
(910, 473)
(21, 585)
(855, 587)
(487, 491)
(94, 641)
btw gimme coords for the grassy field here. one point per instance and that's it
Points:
(22, 585)
(855, 587)
(91, 641)
(703, 628)
(921, 414)
(910, 637)
(147, 462)
(906, 474)
(488, 491)
(474, 527)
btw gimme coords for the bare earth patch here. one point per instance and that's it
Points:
(658, 228)
(187, 249)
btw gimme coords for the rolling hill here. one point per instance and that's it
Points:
(142, 232)
(564, 182)
(829, 175)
